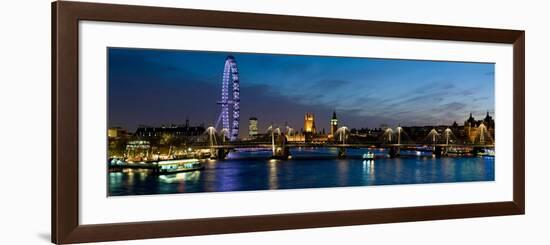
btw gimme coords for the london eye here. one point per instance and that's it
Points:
(230, 99)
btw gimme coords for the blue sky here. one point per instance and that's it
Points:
(155, 87)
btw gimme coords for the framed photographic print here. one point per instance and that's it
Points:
(176, 122)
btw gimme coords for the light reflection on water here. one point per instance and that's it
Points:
(368, 171)
(273, 180)
(253, 171)
(179, 177)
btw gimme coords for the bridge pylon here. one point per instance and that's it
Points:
(394, 151)
(219, 153)
(342, 152)
(438, 151)
(279, 145)
(281, 152)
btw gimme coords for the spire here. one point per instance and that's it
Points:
(470, 122)
(334, 115)
(488, 118)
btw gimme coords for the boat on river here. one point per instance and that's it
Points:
(368, 156)
(486, 153)
(178, 166)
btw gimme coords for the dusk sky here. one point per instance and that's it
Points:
(163, 87)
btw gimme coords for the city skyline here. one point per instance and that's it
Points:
(163, 87)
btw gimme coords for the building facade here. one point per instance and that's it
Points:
(252, 127)
(309, 127)
(116, 132)
(173, 131)
(309, 123)
(480, 131)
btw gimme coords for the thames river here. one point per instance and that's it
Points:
(309, 168)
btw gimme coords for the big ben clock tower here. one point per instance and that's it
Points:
(333, 124)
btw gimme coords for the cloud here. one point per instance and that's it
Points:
(330, 84)
(434, 87)
(453, 106)
(481, 98)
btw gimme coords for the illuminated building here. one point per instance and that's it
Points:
(333, 124)
(252, 127)
(477, 130)
(178, 131)
(117, 138)
(296, 138)
(116, 132)
(309, 123)
(138, 150)
(309, 127)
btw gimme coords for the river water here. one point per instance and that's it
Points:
(309, 168)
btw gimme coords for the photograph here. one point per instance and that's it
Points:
(182, 121)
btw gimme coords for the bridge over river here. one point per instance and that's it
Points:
(281, 148)
(438, 143)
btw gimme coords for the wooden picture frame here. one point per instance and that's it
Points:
(65, 122)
